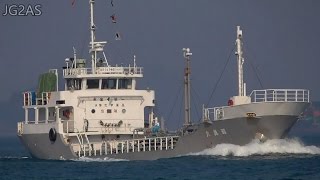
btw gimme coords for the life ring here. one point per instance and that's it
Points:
(230, 102)
(66, 113)
(86, 125)
(52, 135)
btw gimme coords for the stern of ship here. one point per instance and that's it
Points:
(43, 141)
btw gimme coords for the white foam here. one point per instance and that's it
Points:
(106, 159)
(14, 157)
(280, 146)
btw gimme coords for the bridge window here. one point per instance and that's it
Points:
(74, 84)
(109, 83)
(125, 84)
(93, 83)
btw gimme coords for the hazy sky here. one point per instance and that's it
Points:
(281, 42)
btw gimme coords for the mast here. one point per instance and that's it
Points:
(240, 61)
(187, 112)
(92, 29)
(96, 47)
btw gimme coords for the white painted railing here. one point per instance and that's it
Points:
(20, 128)
(104, 70)
(69, 126)
(280, 95)
(125, 146)
(218, 113)
(76, 71)
(30, 98)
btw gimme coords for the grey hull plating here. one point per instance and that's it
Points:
(239, 131)
(40, 146)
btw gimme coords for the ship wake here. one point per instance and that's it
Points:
(13, 157)
(276, 146)
(106, 159)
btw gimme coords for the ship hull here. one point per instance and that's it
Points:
(239, 131)
(40, 146)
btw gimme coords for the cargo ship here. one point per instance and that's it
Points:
(101, 113)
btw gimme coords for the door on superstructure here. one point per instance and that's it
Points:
(66, 115)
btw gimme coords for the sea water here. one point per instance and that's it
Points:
(292, 158)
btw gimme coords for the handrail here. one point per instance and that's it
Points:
(126, 146)
(20, 128)
(218, 113)
(280, 95)
(30, 98)
(104, 70)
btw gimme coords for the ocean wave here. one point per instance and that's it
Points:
(105, 159)
(274, 146)
(14, 157)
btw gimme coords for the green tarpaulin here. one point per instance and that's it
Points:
(47, 83)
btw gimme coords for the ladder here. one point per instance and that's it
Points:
(82, 137)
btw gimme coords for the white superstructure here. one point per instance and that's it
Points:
(100, 100)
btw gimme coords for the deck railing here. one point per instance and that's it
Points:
(280, 95)
(218, 113)
(31, 98)
(104, 70)
(125, 146)
(20, 128)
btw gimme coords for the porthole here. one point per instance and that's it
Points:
(124, 111)
(93, 111)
